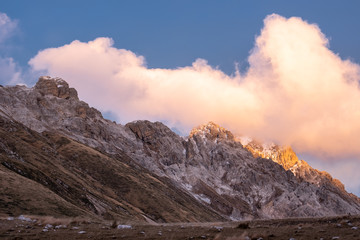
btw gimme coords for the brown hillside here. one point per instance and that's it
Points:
(49, 174)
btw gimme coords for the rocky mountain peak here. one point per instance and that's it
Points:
(55, 86)
(283, 155)
(155, 135)
(211, 131)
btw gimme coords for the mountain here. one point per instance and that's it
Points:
(60, 157)
(48, 173)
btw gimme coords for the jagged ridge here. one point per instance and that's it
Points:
(211, 165)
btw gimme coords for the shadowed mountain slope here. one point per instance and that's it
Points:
(49, 174)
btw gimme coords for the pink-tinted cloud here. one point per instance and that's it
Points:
(295, 92)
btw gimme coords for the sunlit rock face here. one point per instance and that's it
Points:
(287, 158)
(236, 177)
(212, 131)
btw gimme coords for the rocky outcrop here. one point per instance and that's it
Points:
(235, 178)
(56, 87)
(212, 131)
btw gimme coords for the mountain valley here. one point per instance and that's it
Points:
(61, 158)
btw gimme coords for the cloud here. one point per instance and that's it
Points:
(296, 91)
(7, 27)
(10, 72)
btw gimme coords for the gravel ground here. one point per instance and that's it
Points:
(346, 227)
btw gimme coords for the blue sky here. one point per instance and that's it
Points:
(173, 35)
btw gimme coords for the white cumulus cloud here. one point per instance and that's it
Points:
(296, 91)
